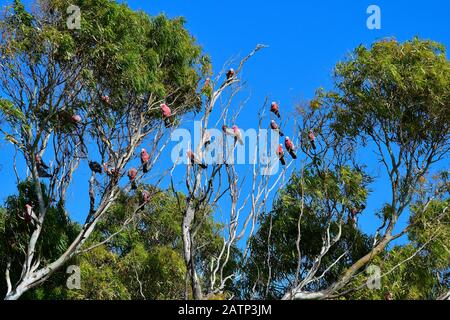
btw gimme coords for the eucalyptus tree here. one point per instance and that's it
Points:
(91, 93)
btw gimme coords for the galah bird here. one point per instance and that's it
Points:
(95, 167)
(227, 131)
(280, 154)
(207, 88)
(312, 139)
(110, 171)
(237, 135)
(354, 213)
(145, 158)
(76, 118)
(275, 109)
(290, 147)
(230, 74)
(132, 173)
(30, 216)
(166, 114)
(42, 168)
(39, 162)
(106, 99)
(194, 160)
(145, 197)
(275, 127)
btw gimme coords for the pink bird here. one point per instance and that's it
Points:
(237, 135)
(194, 160)
(280, 154)
(290, 147)
(227, 131)
(41, 167)
(145, 197)
(76, 118)
(30, 216)
(207, 84)
(112, 172)
(132, 173)
(166, 114)
(275, 127)
(312, 139)
(145, 158)
(106, 99)
(275, 109)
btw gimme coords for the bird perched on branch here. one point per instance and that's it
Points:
(275, 109)
(274, 126)
(145, 197)
(105, 99)
(194, 160)
(112, 172)
(312, 139)
(280, 154)
(95, 167)
(230, 74)
(354, 213)
(290, 147)
(166, 114)
(132, 173)
(207, 88)
(29, 215)
(76, 119)
(41, 167)
(145, 158)
(237, 135)
(227, 131)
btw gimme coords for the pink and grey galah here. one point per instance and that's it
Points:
(30, 216)
(112, 172)
(41, 167)
(274, 108)
(227, 131)
(237, 135)
(312, 139)
(145, 158)
(193, 160)
(106, 99)
(166, 114)
(274, 126)
(280, 154)
(290, 147)
(145, 197)
(76, 118)
(132, 174)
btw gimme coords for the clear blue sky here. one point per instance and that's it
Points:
(306, 39)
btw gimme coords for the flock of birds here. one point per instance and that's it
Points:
(166, 113)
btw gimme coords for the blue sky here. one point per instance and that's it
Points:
(306, 39)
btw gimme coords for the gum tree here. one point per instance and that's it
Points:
(111, 74)
(392, 99)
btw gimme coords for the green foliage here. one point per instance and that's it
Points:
(418, 270)
(282, 223)
(127, 55)
(401, 87)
